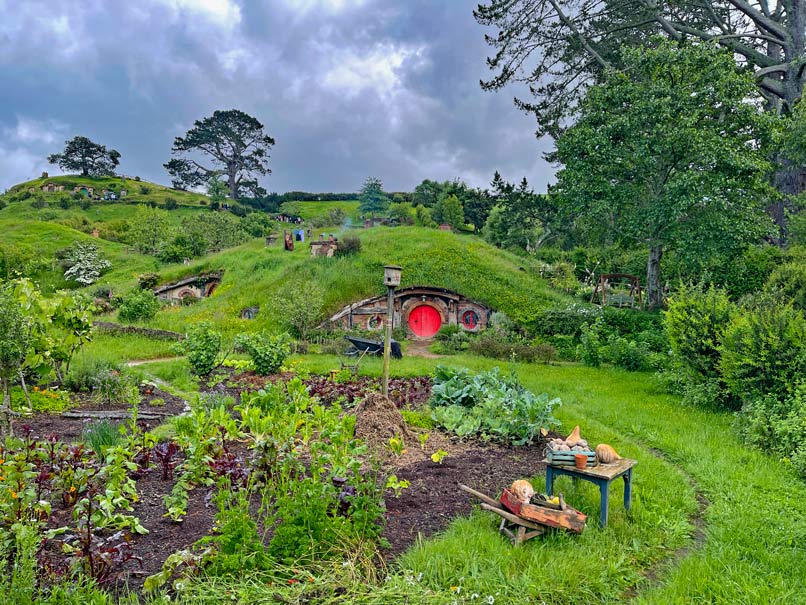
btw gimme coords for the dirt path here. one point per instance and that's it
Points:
(139, 362)
(419, 348)
(654, 574)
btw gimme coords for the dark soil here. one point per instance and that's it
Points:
(426, 507)
(434, 499)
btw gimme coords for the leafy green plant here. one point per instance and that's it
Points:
(439, 456)
(590, 344)
(268, 352)
(137, 305)
(100, 436)
(395, 445)
(397, 485)
(489, 405)
(203, 347)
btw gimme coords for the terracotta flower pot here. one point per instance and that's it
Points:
(581, 461)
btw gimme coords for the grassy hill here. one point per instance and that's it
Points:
(138, 192)
(255, 275)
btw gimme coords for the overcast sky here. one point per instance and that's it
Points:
(348, 88)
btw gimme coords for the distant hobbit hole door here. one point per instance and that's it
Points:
(425, 321)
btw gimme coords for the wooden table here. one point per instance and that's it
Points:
(602, 475)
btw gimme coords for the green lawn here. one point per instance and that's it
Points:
(754, 521)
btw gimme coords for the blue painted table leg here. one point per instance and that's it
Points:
(549, 481)
(603, 491)
(628, 489)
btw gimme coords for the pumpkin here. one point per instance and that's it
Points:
(523, 490)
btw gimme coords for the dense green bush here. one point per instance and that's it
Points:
(764, 351)
(203, 347)
(590, 344)
(268, 352)
(627, 354)
(137, 305)
(778, 426)
(566, 320)
(788, 283)
(349, 244)
(695, 323)
(84, 373)
(489, 405)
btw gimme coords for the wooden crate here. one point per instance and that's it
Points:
(563, 458)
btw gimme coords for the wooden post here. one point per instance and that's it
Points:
(387, 344)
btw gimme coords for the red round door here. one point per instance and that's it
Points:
(424, 321)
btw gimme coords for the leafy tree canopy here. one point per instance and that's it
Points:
(667, 154)
(233, 144)
(82, 155)
(372, 198)
(558, 47)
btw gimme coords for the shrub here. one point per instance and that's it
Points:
(203, 347)
(695, 323)
(267, 352)
(764, 351)
(788, 283)
(300, 308)
(349, 244)
(113, 386)
(778, 426)
(566, 320)
(490, 344)
(137, 305)
(489, 405)
(83, 263)
(590, 344)
(84, 373)
(170, 204)
(562, 277)
(627, 354)
(147, 281)
(545, 352)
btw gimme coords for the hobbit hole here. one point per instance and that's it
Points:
(194, 287)
(422, 310)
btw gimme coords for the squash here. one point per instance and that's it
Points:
(574, 437)
(605, 453)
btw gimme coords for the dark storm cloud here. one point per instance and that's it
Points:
(348, 88)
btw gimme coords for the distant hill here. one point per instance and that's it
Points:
(254, 274)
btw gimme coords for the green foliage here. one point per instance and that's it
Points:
(15, 339)
(489, 405)
(100, 436)
(590, 344)
(83, 155)
(300, 308)
(695, 323)
(83, 263)
(666, 153)
(203, 347)
(113, 387)
(349, 244)
(150, 229)
(372, 199)
(449, 211)
(137, 305)
(84, 373)
(567, 320)
(424, 217)
(787, 283)
(266, 351)
(764, 351)
(778, 426)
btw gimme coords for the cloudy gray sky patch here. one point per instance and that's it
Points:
(348, 88)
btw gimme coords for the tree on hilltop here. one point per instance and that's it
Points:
(237, 147)
(83, 155)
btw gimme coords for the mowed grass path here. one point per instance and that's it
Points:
(754, 524)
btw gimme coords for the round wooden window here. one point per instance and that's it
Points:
(470, 320)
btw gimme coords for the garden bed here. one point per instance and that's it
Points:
(427, 506)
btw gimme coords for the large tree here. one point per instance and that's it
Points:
(559, 47)
(666, 155)
(234, 145)
(82, 155)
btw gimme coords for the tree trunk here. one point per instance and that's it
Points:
(6, 430)
(654, 292)
(790, 181)
(25, 391)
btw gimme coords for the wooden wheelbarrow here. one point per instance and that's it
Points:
(521, 522)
